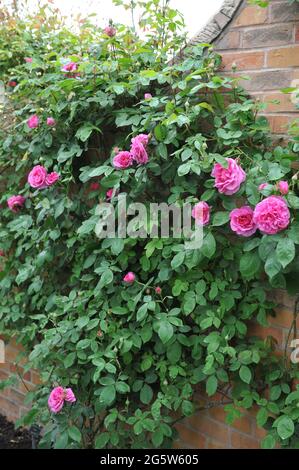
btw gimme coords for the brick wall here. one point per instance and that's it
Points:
(263, 44)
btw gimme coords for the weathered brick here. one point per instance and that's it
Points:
(244, 423)
(277, 35)
(279, 12)
(283, 318)
(262, 332)
(243, 60)
(212, 444)
(283, 57)
(266, 80)
(208, 427)
(251, 15)
(297, 34)
(230, 40)
(192, 438)
(283, 102)
(240, 441)
(279, 124)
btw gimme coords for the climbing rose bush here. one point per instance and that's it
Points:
(124, 331)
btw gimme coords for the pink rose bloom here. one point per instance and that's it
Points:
(110, 192)
(15, 203)
(262, 186)
(51, 121)
(70, 67)
(94, 186)
(228, 180)
(241, 221)
(142, 139)
(201, 213)
(123, 160)
(51, 178)
(139, 153)
(148, 96)
(58, 396)
(129, 277)
(271, 215)
(33, 121)
(283, 187)
(37, 177)
(110, 31)
(158, 290)
(28, 60)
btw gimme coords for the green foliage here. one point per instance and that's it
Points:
(133, 356)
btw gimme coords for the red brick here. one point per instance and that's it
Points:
(243, 60)
(283, 57)
(209, 427)
(251, 15)
(279, 124)
(263, 332)
(212, 444)
(283, 318)
(243, 424)
(240, 441)
(284, 104)
(190, 437)
(297, 34)
(230, 40)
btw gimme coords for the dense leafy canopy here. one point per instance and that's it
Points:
(134, 356)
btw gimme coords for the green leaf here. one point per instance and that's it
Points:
(250, 264)
(211, 385)
(160, 132)
(178, 260)
(261, 417)
(165, 331)
(146, 394)
(220, 218)
(285, 251)
(245, 374)
(101, 440)
(75, 433)
(285, 427)
(108, 395)
(209, 246)
(268, 442)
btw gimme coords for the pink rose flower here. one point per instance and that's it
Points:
(129, 277)
(241, 221)
(139, 153)
(58, 396)
(123, 160)
(110, 31)
(158, 290)
(201, 213)
(51, 178)
(28, 60)
(51, 121)
(228, 180)
(271, 215)
(263, 186)
(110, 192)
(142, 139)
(37, 177)
(33, 121)
(148, 96)
(283, 187)
(70, 67)
(15, 203)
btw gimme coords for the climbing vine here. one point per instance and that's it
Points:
(125, 330)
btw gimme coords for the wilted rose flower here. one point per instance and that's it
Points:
(272, 215)
(33, 121)
(129, 277)
(51, 121)
(123, 160)
(241, 221)
(201, 213)
(15, 203)
(228, 180)
(58, 396)
(51, 178)
(283, 187)
(110, 31)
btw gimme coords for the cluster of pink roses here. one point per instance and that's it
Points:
(39, 178)
(270, 216)
(137, 153)
(34, 121)
(58, 396)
